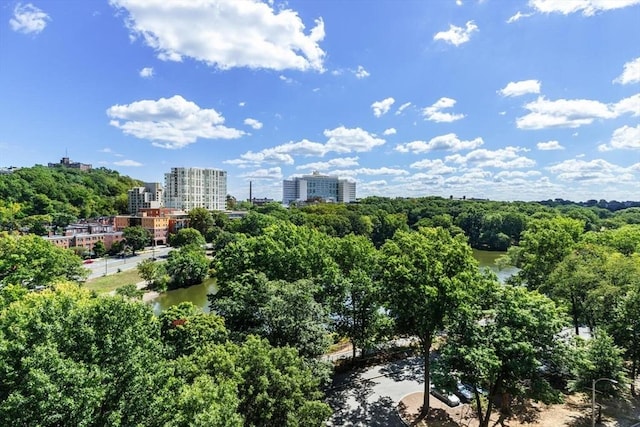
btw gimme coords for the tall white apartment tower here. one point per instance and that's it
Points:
(188, 188)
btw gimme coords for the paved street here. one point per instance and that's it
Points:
(369, 397)
(105, 266)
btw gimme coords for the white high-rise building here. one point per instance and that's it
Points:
(318, 187)
(188, 188)
(149, 196)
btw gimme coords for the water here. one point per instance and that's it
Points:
(487, 259)
(197, 294)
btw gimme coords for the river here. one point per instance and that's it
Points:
(197, 294)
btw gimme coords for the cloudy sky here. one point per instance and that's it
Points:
(499, 99)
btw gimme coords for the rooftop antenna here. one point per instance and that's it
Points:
(250, 192)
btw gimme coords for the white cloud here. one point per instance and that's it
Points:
(587, 7)
(127, 163)
(457, 35)
(287, 80)
(370, 171)
(449, 142)
(402, 108)
(28, 19)
(361, 73)
(333, 163)
(340, 140)
(241, 104)
(253, 123)
(271, 174)
(344, 140)
(630, 73)
(626, 137)
(549, 145)
(504, 158)
(226, 33)
(574, 113)
(170, 122)
(594, 171)
(520, 88)
(146, 72)
(434, 113)
(510, 175)
(435, 166)
(381, 108)
(390, 131)
(518, 16)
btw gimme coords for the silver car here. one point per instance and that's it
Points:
(447, 397)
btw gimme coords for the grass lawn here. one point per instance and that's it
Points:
(113, 281)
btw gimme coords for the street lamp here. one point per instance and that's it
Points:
(593, 397)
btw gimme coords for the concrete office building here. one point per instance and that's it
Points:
(318, 187)
(188, 188)
(149, 196)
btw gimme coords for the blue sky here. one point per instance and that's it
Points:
(507, 100)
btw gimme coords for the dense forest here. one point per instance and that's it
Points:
(37, 197)
(293, 281)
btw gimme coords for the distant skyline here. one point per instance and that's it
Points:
(505, 100)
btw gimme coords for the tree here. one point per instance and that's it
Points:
(99, 249)
(200, 219)
(187, 266)
(425, 276)
(625, 329)
(600, 358)
(284, 313)
(543, 245)
(278, 388)
(32, 261)
(357, 312)
(136, 237)
(500, 343)
(130, 291)
(154, 273)
(187, 236)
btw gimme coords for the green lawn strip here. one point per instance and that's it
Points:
(112, 282)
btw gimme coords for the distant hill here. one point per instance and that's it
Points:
(61, 194)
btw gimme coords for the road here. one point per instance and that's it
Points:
(106, 266)
(369, 397)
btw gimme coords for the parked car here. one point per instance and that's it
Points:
(447, 397)
(88, 261)
(464, 392)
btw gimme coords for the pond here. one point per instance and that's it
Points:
(197, 294)
(488, 259)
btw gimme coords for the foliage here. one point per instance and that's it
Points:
(624, 327)
(187, 266)
(63, 193)
(130, 291)
(600, 358)
(136, 237)
(426, 276)
(284, 313)
(32, 261)
(500, 343)
(154, 273)
(99, 249)
(186, 236)
(68, 357)
(200, 219)
(543, 245)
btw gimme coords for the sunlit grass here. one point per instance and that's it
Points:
(112, 282)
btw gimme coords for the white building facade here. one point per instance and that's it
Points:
(188, 188)
(149, 196)
(318, 187)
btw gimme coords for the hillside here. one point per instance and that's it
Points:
(60, 195)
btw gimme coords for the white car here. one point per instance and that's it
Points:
(447, 397)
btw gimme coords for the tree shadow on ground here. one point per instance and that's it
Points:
(437, 417)
(380, 413)
(411, 369)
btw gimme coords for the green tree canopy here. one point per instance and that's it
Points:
(426, 277)
(136, 237)
(187, 236)
(32, 261)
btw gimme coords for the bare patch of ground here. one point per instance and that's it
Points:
(574, 412)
